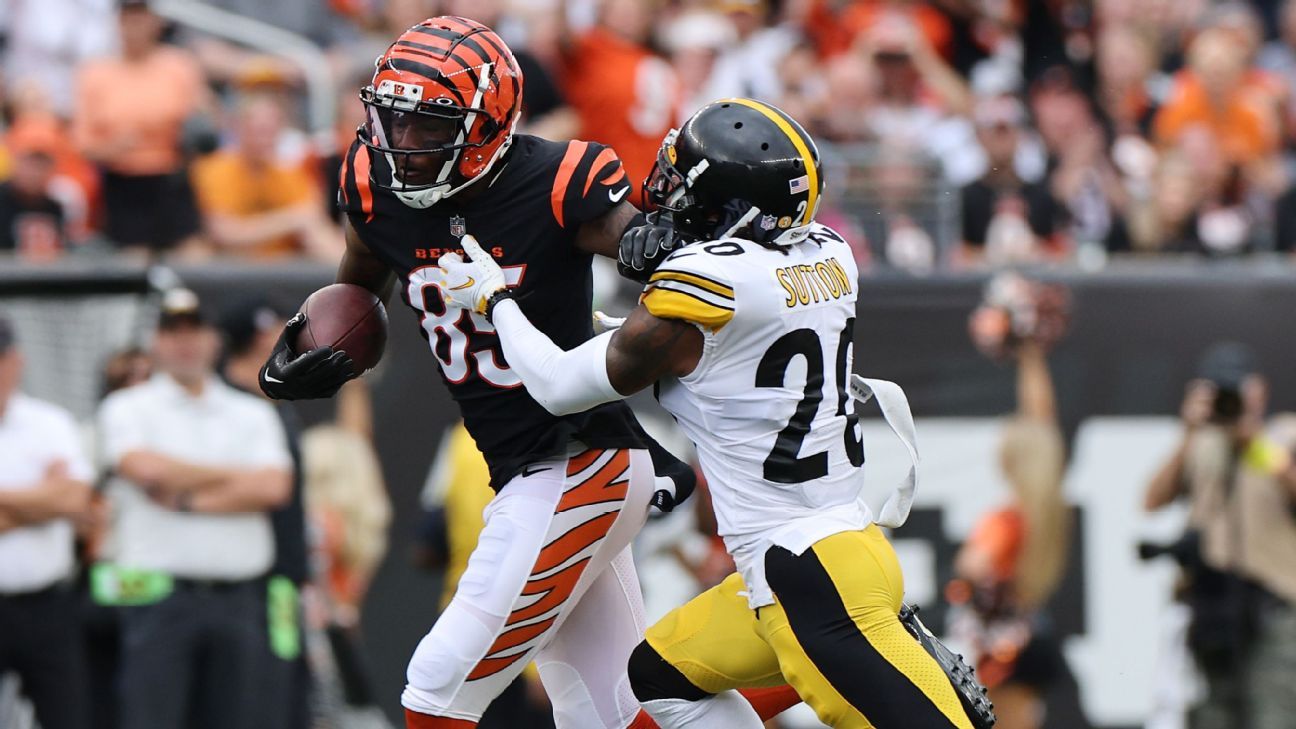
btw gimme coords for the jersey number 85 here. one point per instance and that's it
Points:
(450, 332)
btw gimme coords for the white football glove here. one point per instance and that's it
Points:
(470, 284)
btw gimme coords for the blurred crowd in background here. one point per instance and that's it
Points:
(956, 133)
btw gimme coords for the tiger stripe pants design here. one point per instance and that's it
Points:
(551, 580)
(833, 633)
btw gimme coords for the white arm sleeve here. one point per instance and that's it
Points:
(563, 382)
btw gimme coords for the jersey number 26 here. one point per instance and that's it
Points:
(784, 463)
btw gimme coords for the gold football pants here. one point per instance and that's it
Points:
(833, 634)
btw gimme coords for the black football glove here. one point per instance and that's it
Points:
(315, 374)
(644, 247)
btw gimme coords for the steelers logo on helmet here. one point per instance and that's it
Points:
(441, 109)
(738, 167)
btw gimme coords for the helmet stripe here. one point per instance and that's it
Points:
(503, 54)
(798, 142)
(443, 33)
(408, 44)
(454, 39)
(472, 45)
(405, 63)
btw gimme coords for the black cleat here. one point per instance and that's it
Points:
(962, 677)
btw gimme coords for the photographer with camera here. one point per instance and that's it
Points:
(1239, 555)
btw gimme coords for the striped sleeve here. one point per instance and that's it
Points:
(680, 289)
(589, 182)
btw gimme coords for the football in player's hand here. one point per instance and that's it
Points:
(345, 317)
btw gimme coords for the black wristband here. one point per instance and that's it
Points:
(494, 299)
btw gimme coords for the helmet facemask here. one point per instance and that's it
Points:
(700, 214)
(669, 193)
(423, 140)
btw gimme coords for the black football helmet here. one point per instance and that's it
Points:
(738, 167)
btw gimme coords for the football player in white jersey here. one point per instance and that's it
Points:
(746, 328)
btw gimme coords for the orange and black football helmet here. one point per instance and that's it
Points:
(441, 109)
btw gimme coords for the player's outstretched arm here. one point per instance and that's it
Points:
(647, 348)
(638, 243)
(605, 368)
(602, 235)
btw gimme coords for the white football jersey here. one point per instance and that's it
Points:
(776, 432)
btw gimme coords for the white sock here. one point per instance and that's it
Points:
(728, 710)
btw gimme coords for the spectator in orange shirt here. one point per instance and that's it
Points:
(75, 182)
(255, 205)
(1212, 94)
(129, 118)
(626, 97)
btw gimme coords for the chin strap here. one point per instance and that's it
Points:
(427, 197)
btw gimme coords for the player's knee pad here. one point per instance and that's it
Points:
(446, 655)
(653, 677)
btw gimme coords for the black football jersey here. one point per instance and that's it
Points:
(526, 214)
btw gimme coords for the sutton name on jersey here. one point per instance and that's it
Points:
(820, 281)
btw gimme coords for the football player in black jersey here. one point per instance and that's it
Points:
(437, 159)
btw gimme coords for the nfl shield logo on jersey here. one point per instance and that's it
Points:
(457, 228)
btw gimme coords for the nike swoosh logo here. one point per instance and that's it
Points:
(464, 285)
(268, 378)
(616, 196)
(530, 472)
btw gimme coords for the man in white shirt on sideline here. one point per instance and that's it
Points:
(197, 466)
(44, 483)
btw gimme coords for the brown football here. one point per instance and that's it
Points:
(345, 317)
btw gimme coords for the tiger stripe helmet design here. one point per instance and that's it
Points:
(441, 109)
